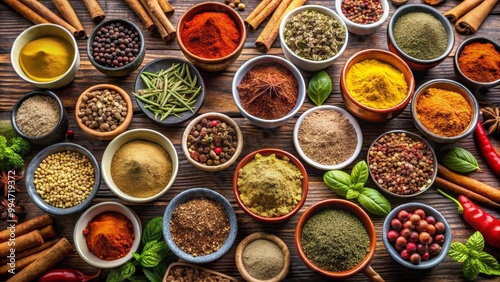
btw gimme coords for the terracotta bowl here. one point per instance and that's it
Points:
(217, 64)
(105, 135)
(367, 113)
(364, 265)
(279, 154)
(270, 237)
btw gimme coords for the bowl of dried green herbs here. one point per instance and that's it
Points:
(169, 90)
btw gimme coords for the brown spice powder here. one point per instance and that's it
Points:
(268, 91)
(38, 115)
(199, 226)
(327, 137)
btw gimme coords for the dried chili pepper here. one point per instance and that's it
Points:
(67, 275)
(482, 221)
(487, 149)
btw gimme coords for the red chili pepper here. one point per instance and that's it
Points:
(67, 275)
(489, 153)
(482, 221)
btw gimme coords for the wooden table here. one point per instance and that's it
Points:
(219, 99)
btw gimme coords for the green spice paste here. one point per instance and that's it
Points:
(270, 187)
(335, 240)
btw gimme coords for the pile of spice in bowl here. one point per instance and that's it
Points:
(270, 185)
(402, 163)
(363, 17)
(212, 142)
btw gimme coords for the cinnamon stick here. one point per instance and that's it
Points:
(33, 250)
(23, 242)
(95, 11)
(457, 189)
(260, 13)
(470, 22)
(52, 256)
(21, 263)
(270, 31)
(143, 15)
(161, 30)
(65, 9)
(48, 231)
(26, 12)
(49, 15)
(156, 10)
(166, 7)
(461, 9)
(27, 226)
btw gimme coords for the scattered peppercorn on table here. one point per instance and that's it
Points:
(219, 99)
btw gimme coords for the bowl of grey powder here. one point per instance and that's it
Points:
(40, 118)
(327, 137)
(141, 158)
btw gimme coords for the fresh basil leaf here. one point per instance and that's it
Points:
(338, 181)
(114, 276)
(122, 273)
(374, 202)
(359, 173)
(475, 242)
(357, 186)
(319, 88)
(352, 194)
(471, 269)
(153, 230)
(138, 279)
(458, 252)
(152, 275)
(137, 256)
(460, 160)
(489, 263)
(153, 253)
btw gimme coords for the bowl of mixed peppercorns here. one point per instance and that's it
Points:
(363, 17)
(402, 163)
(103, 111)
(116, 47)
(212, 142)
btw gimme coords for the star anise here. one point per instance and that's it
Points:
(491, 121)
(4, 181)
(15, 211)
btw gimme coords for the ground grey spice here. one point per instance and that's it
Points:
(199, 226)
(327, 137)
(263, 259)
(335, 240)
(38, 115)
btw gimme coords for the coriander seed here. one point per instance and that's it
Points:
(241, 6)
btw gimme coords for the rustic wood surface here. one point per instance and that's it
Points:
(219, 99)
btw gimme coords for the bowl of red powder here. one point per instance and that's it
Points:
(477, 63)
(268, 90)
(211, 35)
(107, 234)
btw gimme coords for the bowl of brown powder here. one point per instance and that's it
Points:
(327, 137)
(140, 158)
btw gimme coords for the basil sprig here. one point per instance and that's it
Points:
(473, 257)
(319, 88)
(352, 186)
(152, 260)
(460, 160)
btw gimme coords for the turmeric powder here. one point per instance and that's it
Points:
(109, 235)
(443, 112)
(376, 84)
(46, 58)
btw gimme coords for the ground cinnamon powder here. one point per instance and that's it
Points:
(109, 235)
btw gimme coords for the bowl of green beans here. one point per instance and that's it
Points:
(169, 90)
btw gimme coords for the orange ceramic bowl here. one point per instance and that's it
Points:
(279, 154)
(367, 113)
(364, 265)
(217, 64)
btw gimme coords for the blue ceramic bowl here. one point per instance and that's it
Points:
(57, 134)
(199, 193)
(35, 162)
(410, 207)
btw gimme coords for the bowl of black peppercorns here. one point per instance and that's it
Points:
(116, 47)
(212, 142)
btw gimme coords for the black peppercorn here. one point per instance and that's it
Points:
(111, 45)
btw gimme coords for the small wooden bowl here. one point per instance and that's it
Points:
(270, 237)
(108, 135)
(199, 268)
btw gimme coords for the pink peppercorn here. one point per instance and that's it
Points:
(362, 11)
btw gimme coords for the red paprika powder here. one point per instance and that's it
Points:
(210, 35)
(480, 62)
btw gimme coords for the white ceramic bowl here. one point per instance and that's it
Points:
(305, 64)
(42, 30)
(81, 244)
(131, 135)
(363, 29)
(247, 66)
(355, 124)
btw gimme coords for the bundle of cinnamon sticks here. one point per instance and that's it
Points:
(154, 14)
(30, 248)
(470, 14)
(278, 9)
